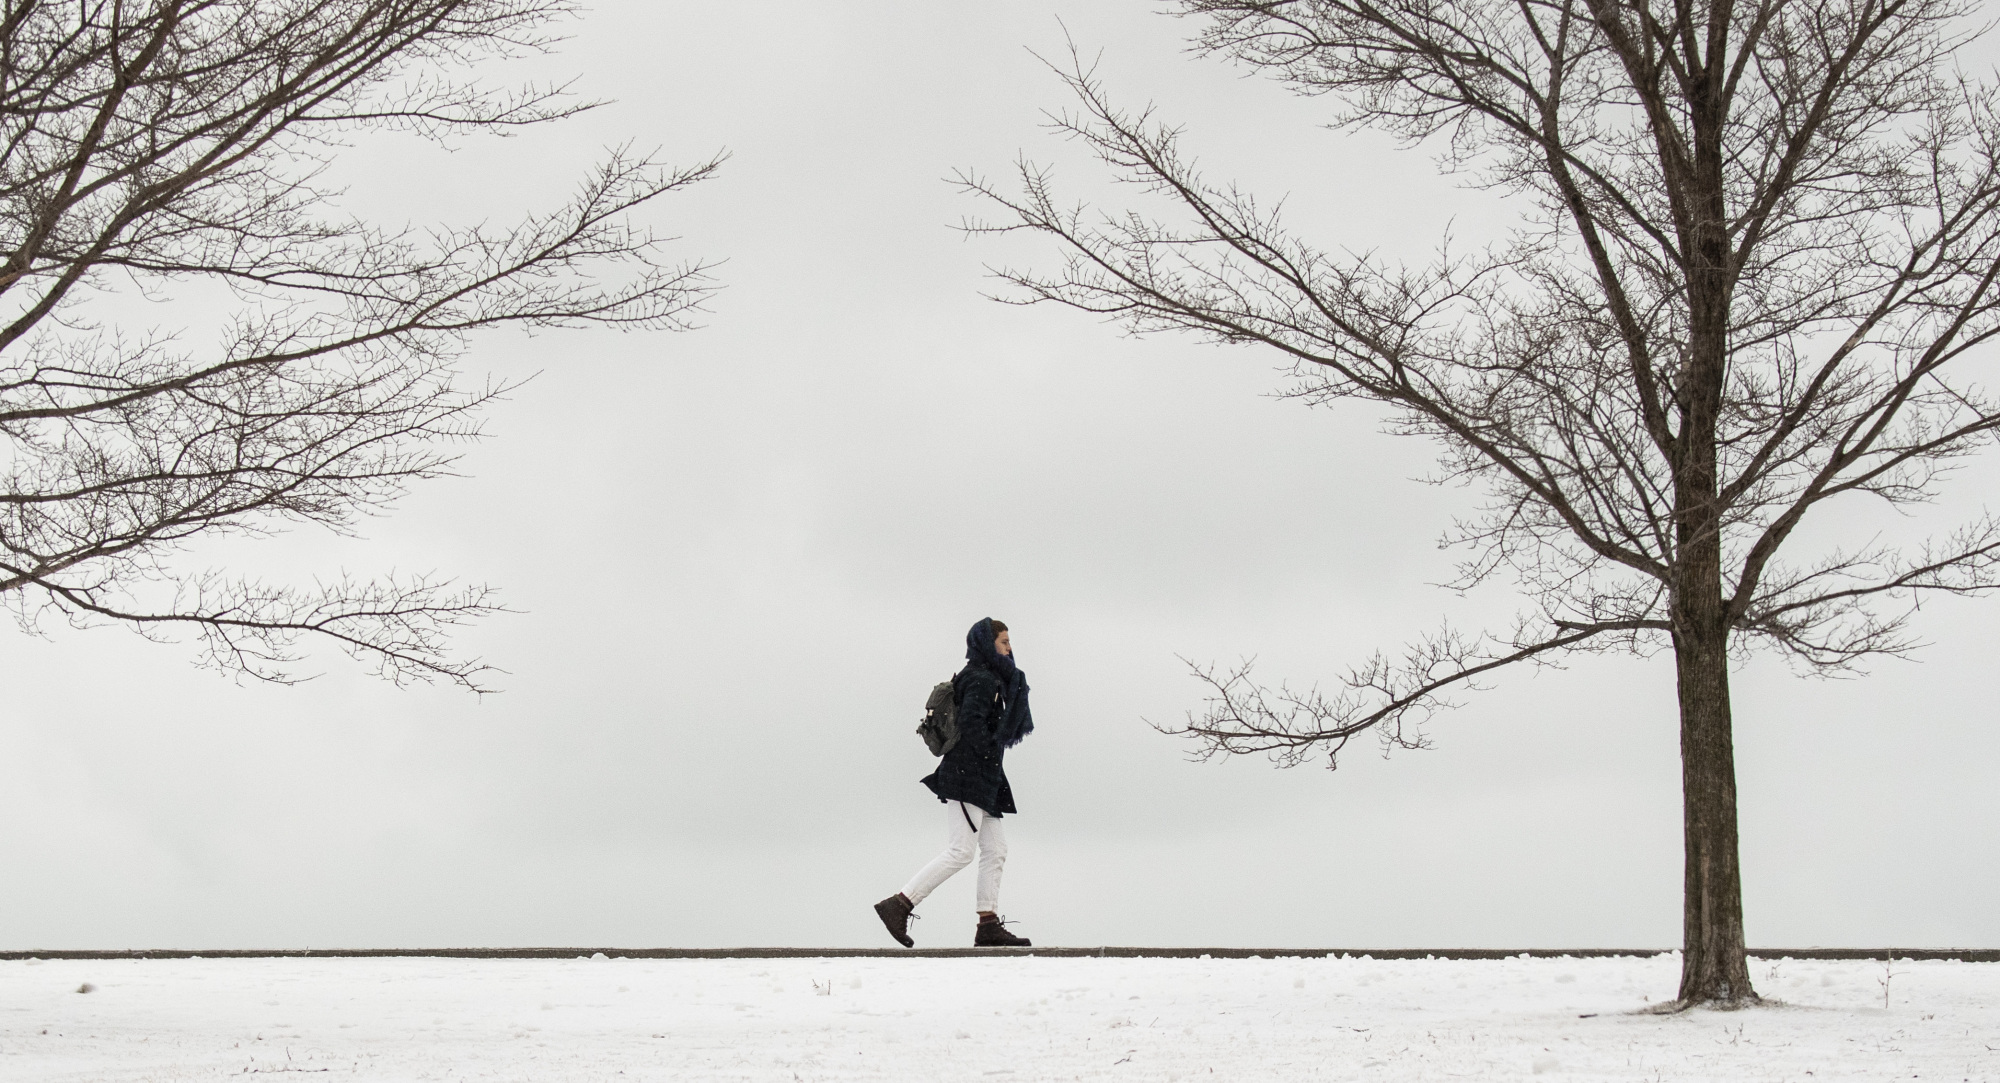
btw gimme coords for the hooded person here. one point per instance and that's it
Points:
(990, 695)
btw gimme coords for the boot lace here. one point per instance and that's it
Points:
(999, 923)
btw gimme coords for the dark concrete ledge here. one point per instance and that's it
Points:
(1965, 955)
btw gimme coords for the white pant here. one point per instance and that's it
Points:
(970, 827)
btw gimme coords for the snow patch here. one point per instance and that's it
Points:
(895, 1019)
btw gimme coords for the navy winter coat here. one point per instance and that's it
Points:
(991, 695)
(971, 771)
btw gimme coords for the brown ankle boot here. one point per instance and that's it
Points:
(895, 912)
(992, 933)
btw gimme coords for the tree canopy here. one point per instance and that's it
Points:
(173, 144)
(1751, 277)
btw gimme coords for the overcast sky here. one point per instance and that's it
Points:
(741, 556)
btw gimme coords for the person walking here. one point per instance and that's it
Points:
(991, 697)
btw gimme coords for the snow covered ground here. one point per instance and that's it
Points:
(1002, 1019)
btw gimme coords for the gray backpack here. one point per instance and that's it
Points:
(939, 729)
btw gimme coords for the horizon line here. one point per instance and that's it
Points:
(1969, 955)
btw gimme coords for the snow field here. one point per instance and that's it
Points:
(1004, 1019)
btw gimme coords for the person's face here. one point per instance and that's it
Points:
(1002, 644)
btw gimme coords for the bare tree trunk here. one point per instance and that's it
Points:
(1713, 965)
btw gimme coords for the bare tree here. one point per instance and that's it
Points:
(148, 143)
(1755, 259)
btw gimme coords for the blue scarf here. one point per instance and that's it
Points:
(1014, 722)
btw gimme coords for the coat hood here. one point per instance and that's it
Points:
(1017, 722)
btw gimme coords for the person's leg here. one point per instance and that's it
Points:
(989, 933)
(960, 840)
(992, 860)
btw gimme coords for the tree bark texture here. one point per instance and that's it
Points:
(1714, 967)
